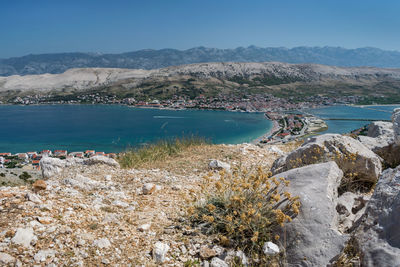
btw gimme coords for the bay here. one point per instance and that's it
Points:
(351, 112)
(113, 128)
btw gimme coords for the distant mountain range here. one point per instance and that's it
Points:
(154, 59)
(294, 81)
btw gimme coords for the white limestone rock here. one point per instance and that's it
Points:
(33, 197)
(102, 243)
(24, 237)
(160, 251)
(381, 140)
(217, 262)
(51, 166)
(219, 165)
(144, 227)
(336, 147)
(313, 238)
(350, 208)
(43, 254)
(270, 248)
(82, 182)
(6, 258)
(148, 188)
(378, 233)
(275, 149)
(101, 160)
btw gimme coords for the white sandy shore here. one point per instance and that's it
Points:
(274, 128)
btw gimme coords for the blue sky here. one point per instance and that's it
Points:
(113, 26)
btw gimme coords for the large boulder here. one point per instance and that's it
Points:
(101, 160)
(351, 156)
(380, 139)
(54, 166)
(380, 129)
(396, 125)
(312, 237)
(377, 233)
(51, 166)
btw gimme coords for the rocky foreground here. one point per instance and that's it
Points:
(94, 213)
(90, 213)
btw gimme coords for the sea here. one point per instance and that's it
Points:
(359, 115)
(116, 128)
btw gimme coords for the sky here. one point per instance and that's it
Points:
(115, 26)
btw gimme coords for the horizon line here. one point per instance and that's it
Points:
(196, 47)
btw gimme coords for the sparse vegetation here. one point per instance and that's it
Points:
(158, 151)
(349, 256)
(245, 209)
(25, 176)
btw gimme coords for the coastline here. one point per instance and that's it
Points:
(275, 127)
(372, 105)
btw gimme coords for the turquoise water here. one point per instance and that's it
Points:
(112, 128)
(351, 112)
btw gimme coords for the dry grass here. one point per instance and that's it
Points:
(158, 152)
(350, 255)
(245, 209)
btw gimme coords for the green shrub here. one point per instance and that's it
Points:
(25, 176)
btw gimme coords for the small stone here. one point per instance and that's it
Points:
(35, 224)
(65, 230)
(144, 227)
(240, 254)
(33, 197)
(183, 249)
(42, 255)
(44, 220)
(177, 187)
(39, 185)
(105, 261)
(108, 178)
(81, 243)
(102, 243)
(219, 165)
(270, 248)
(6, 259)
(217, 262)
(120, 204)
(160, 251)
(24, 237)
(218, 250)
(148, 188)
(206, 252)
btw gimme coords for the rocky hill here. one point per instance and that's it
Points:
(280, 79)
(154, 59)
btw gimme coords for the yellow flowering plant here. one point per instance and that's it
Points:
(245, 208)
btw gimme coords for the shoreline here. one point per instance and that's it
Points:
(275, 127)
(373, 105)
